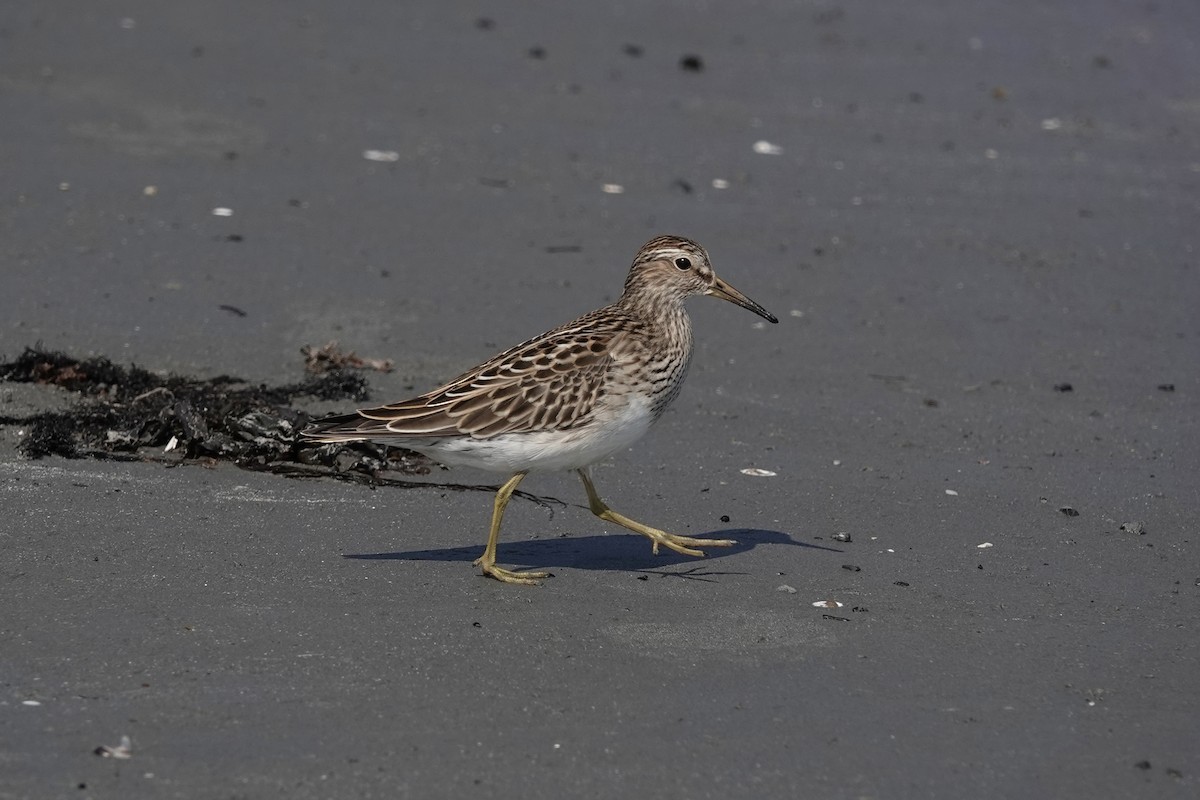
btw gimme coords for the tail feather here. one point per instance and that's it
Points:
(342, 428)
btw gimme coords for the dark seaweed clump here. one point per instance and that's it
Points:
(129, 413)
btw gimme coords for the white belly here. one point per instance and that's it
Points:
(545, 450)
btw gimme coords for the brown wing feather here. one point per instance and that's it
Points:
(550, 382)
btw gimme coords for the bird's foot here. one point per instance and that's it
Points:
(508, 576)
(683, 544)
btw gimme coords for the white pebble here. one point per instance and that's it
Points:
(763, 147)
(381, 155)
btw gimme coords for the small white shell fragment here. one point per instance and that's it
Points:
(720, 183)
(381, 155)
(612, 188)
(123, 750)
(763, 147)
(837, 462)
(827, 604)
(985, 545)
(991, 153)
(30, 703)
(221, 211)
(795, 312)
(64, 187)
(171, 445)
(755, 472)
(150, 191)
(783, 587)
(952, 493)
(1051, 124)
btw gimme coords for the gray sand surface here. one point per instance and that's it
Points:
(954, 208)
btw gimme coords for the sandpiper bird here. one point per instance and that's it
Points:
(566, 399)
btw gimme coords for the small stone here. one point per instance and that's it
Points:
(851, 568)
(783, 587)
(841, 536)
(1070, 512)
(1134, 527)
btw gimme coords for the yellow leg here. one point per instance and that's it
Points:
(487, 561)
(680, 544)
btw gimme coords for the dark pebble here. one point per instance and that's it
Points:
(724, 518)
(1063, 387)
(691, 64)
(851, 567)
(1070, 512)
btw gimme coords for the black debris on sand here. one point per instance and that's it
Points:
(132, 414)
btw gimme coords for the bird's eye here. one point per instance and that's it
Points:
(683, 263)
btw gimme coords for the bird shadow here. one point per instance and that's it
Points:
(624, 552)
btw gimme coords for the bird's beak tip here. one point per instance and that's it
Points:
(724, 291)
